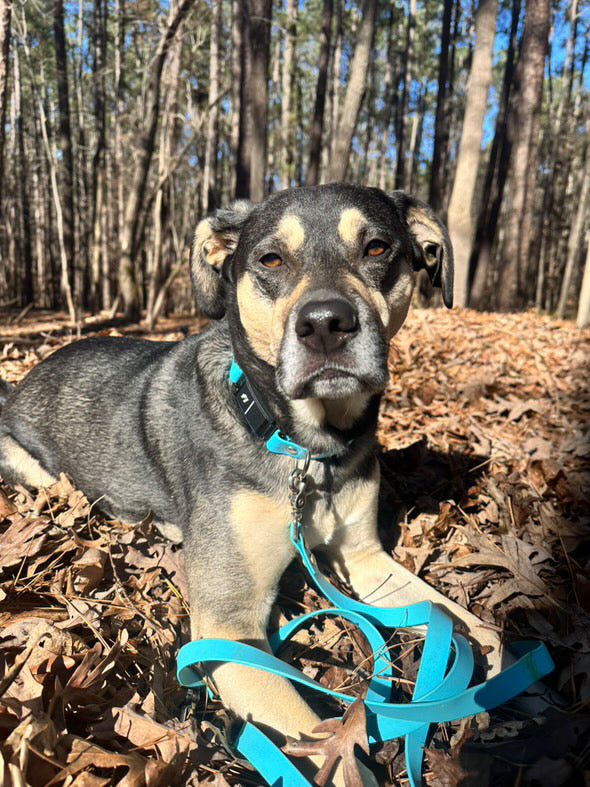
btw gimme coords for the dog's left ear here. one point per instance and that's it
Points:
(215, 240)
(434, 250)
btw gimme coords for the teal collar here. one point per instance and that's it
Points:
(261, 424)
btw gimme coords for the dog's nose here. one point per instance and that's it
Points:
(325, 325)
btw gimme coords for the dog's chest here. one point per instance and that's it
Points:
(330, 514)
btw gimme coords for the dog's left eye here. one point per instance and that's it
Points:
(271, 261)
(376, 248)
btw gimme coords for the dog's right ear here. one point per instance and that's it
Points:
(215, 240)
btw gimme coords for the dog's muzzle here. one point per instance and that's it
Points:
(332, 348)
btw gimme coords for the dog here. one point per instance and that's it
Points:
(304, 292)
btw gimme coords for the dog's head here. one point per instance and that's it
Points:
(316, 281)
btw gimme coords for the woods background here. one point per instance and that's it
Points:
(121, 123)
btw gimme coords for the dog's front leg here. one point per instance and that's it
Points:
(233, 574)
(379, 580)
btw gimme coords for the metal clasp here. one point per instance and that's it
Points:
(297, 495)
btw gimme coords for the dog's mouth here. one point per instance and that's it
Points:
(331, 381)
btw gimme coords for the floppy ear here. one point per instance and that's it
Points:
(215, 240)
(435, 252)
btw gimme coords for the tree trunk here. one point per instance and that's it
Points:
(315, 147)
(576, 234)
(99, 158)
(524, 156)
(5, 17)
(209, 196)
(441, 123)
(286, 153)
(236, 66)
(65, 137)
(583, 318)
(26, 284)
(494, 181)
(335, 84)
(162, 201)
(460, 216)
(127, 275)
(354, 92)
(387, 107)
(408, 63)
(256, 16)
(415, 142)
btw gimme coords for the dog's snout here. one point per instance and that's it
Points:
(325, 325)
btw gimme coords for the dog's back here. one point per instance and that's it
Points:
(97, 410)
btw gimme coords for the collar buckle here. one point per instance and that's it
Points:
(260, 422)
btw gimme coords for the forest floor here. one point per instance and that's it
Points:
(485, 431)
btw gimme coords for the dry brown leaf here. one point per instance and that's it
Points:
(144, 733)
(85, 754)
(89, 569)
(7, 508)
(445, 770)
(24, 538)
(343, 735)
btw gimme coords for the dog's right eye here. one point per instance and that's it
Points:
(271, 261)
(376, 248)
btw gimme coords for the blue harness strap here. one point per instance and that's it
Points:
(441, 692)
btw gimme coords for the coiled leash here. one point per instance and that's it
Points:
(441, 692)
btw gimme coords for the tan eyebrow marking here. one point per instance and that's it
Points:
(350, 224)
(291, 231)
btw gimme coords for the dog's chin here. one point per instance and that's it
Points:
(332, 384)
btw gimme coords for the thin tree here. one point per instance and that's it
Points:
(583, 318)
(286, 133)
(23, 188)
(209, 197)
(576, 234)
(99, 157)
(251, 164)
(129, 232)
(408, 64)
(460, 214)
(524, 155)
(5, 15)
(65, 135)
(315, 146)
(236, 68)
(354, 92)
(441, 123)
(495, 178)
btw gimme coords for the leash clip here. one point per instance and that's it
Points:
(297, 495)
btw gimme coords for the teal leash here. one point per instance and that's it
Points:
(441, 693)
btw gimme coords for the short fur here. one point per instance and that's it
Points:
(144, 426)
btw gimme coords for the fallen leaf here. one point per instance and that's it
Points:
(343, 735)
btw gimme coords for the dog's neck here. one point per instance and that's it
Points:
(331, 428)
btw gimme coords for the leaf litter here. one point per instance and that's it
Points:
(485, 437)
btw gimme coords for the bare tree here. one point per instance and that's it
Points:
(408, 63)
(315, 146)
(129, 232)
(354, 92)
(286, 151)
(251, 164)
(460, 214)
(209, 197)
(576, 235)
(583, 318)
(524, 155)
(5, 15)
(65, 135)
(441, 123)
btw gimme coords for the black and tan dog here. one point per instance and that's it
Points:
(307, 289)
